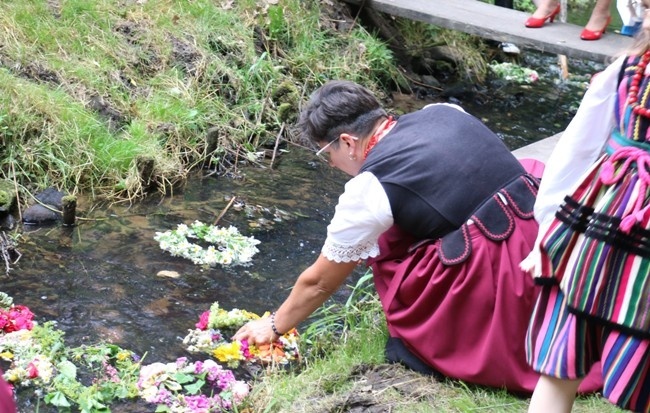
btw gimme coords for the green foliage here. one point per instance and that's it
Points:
(336, 321)
(277, 24)
(114, 370)
(465, 53)
(513, 72)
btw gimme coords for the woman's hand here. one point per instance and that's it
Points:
(314, 285)
(257, 332)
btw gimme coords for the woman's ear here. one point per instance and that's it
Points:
(349, 140)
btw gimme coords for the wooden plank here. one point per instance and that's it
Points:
(503, 25)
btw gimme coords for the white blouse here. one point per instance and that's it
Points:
(579, 147)
(362, 214)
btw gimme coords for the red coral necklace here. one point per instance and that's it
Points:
(379, 133)
(633, 93)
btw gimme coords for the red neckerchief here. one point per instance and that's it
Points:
(379, 133)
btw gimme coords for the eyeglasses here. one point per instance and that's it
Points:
(321, 150)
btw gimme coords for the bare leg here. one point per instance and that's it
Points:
(599, 15)
(544, 8)
(553, 395)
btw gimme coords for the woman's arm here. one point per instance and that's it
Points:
(579, 147)
(581, 143)
(313, 287)
(362, 214)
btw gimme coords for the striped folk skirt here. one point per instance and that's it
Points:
(595, 305)
(598, 247)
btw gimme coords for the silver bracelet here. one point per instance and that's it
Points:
(273, 327)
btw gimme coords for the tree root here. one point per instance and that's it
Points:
(8, 250)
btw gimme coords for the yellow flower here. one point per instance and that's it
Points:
(7, 355)
(13, 375)
(250, 315)
(255, 352)
(228, 352)
(123, 355)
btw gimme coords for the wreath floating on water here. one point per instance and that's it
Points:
(225, 246)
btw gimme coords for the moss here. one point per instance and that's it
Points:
(7, 195)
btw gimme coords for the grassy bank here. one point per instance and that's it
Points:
(116, 99)
(119, 99)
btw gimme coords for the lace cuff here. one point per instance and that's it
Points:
(348, 253)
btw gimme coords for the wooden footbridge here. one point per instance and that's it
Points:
(504, 25)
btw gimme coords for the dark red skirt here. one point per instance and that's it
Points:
(7, 404)
(467, 321)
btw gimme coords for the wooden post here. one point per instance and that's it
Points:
(562, 59)
(69, 210)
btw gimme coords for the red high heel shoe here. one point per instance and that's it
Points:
(589, 35)
(535, 23)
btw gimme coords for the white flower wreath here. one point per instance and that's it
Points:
(513, 72)
(229, 246)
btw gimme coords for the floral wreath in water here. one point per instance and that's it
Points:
(513, 72)
(216, 325)
(226, 245)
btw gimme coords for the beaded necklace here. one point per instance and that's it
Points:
(379, 133)
(633, 92)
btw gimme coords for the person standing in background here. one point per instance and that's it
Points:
(595, 28)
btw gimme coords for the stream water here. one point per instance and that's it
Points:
(99, 282)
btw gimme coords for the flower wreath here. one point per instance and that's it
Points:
(228, 246)
(216, 325)
(513, 72)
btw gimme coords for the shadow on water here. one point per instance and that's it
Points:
(99, 280)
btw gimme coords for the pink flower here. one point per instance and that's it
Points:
(203, 321)
(32, 370)
(4, 319)
(240, 390)
(245, 349)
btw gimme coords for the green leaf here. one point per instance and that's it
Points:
(183, 378)
(67, 369)
(195, 388)
(57, 399)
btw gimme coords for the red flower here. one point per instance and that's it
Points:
(203, 321)
(18, 317)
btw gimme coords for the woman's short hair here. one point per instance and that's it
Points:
(339, 106)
